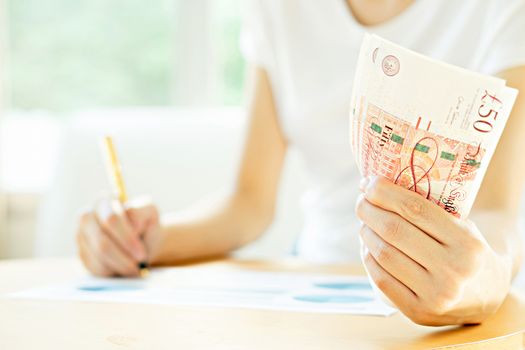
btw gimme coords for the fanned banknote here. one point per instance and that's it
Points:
(426, 125)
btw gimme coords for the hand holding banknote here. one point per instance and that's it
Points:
(436, 268)
(423, 133)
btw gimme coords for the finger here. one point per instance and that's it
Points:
(91, 262)
(141, 214)
(114, 222)
(107, 251)
(413, 207)
(117, 260)
(144, 217)
(397, 264)
(404, 298)
(395, 230)
(111, 255)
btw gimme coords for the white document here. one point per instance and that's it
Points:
(239, 289)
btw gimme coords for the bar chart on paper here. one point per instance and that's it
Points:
(341, 294)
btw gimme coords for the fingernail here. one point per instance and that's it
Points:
(364, 184)
(139, 252)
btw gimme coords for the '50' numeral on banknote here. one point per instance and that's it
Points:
(488, 111)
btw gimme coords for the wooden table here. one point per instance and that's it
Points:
(31, 324)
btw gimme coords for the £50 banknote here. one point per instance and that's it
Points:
(426, 125)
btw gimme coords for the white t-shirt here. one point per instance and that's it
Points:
(309, 48)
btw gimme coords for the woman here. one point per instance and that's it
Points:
(436, 269)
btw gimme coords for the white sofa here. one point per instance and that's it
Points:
(175, 156)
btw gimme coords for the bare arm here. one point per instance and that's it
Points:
(247, 211)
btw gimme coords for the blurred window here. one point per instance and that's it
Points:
(65, 55)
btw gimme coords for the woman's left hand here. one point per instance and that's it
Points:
(437, 269)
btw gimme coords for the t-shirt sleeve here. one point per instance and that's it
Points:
(254, 39)
(506, 45)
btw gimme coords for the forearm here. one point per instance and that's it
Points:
(242, 216)
(502, 231)
(210, 230)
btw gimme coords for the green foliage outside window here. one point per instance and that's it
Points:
(66, 55)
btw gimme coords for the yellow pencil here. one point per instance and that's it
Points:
(114, 170)
(115, 175)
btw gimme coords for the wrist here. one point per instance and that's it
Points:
(506, 263)
(163, 245)
(498, 281)
(176, 243)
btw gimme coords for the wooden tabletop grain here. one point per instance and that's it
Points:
(34, 324)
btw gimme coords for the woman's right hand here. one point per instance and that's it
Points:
(113, 239)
